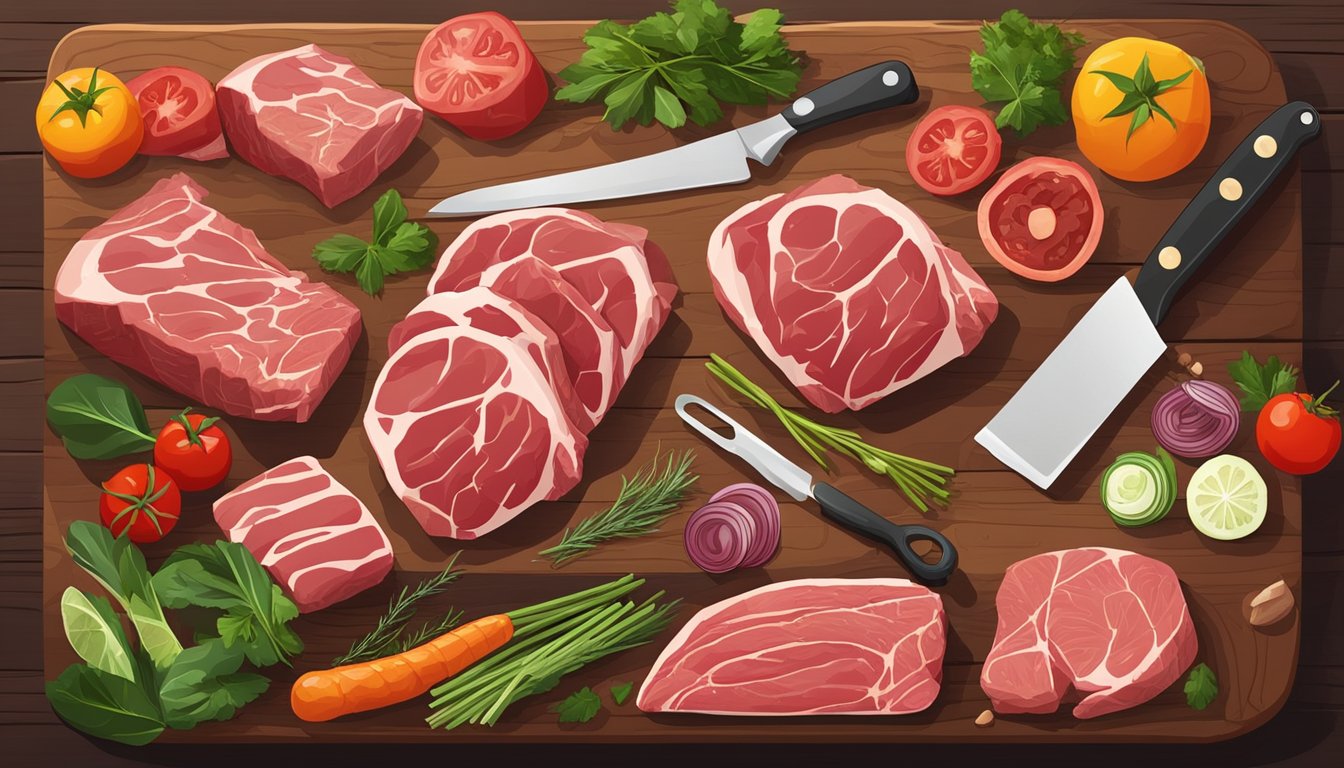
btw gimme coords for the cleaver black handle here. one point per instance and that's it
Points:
(838, 507)
(1220, 204)
(889, 84)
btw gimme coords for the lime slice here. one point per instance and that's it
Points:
(1227, 498)
(88, 629)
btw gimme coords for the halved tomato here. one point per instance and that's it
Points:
(1042, 219)
(476, 72)
(953, 149)
(178, 107)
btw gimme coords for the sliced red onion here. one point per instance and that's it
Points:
(718, 536)
(1196, 419)
(763, 508)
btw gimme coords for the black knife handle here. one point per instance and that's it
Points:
(889, 84)
(1234, 188)
(850, 514)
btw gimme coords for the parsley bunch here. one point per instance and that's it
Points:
(668, 67)
(398, 246)
(1022, 68)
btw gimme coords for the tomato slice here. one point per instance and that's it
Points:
(476, 72)
(953, 149)
(1042, 219)
(178, 108)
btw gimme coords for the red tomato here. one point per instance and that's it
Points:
(194, 451)
(953, 149)
(142, 502)
(1042, 219)
(1298, 434)
(178, 107)
(476, 72)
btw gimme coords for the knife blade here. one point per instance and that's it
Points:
(717, 160)
(1063, 403)
(835, 504)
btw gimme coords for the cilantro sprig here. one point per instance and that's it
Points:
(398, 246)
(671, 67)
(579, 707)
(1261, 383)
(1022, 68)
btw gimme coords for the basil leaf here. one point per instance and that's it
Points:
(98, 418)
(204, 683)
(104, 705)
(388, 214)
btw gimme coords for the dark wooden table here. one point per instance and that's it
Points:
(1307, 39)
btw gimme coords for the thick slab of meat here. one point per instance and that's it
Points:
(806, 647)
(175, 290)
(614, 266)
(318, 541)
(1112, 624)
(847, 291)
(312, 116)
(470, 432)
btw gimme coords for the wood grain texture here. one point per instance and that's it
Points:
(1250, 299)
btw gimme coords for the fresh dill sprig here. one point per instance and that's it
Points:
(386, 636)
(644, 502)
(921, 481)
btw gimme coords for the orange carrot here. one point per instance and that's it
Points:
(330, 693)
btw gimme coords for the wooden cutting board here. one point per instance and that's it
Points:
(1250, 298)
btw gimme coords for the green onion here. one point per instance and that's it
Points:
(1139, 488)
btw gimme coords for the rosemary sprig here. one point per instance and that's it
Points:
(644, 502)
(386, 636)
(921, 481)
(428, 631)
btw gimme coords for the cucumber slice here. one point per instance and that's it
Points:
(1139, 488)
(1227, 499)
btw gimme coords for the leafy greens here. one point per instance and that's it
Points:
(1261, 383)
(579, 706)
(1022, 68)
(98, 418)
(673, 66)
(1201, 687)
(398, 246)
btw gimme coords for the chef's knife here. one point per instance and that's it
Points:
(720, 159)
(1059, 408)
(835, 504)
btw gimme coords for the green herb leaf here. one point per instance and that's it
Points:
(579, 707)
(204, 683)
(1201, 687)
(388, 214)
(104, 705)
(340, 253)
(1261, 383)
(620, 692)
(94, 632)
(1021, 67)
(398, 246)
(386, 637)
(98, 418)
(671, 66)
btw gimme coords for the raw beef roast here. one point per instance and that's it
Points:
(470, 431)
(1109, 623)
(806, 647)
(314, 117)
(173, 289)
(847, 291)
(319, 542)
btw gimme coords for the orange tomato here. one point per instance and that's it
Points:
(92, 125)
(1162, 96)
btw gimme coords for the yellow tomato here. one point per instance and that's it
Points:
(92, 127)
(1162, 97)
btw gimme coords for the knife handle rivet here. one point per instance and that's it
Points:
(1230, 189)
(1307, 118)
(1169, 257)
(891, 77)
(1266, 146)
(803, 106)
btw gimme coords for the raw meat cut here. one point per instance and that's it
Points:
(173, 289)
(614, 266)
(482, 308)
(1112, 624)
(846, 290)
(312, 116)
(806, 647)
(318, 541)
(470, 432)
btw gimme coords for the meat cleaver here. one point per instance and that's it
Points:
(1054, 414)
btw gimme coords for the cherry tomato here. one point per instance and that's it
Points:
(1297, 433)
(141, 501)
(194, 451)
(476, 72)
(953, 149)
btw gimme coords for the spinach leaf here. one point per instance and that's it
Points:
(118, 565)
(227, 577)
(98, 418)
(204, 683)
(94, 632)
(105, 705)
